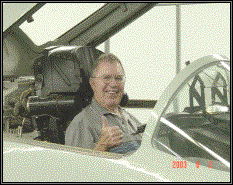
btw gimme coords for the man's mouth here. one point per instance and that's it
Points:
(112, 91)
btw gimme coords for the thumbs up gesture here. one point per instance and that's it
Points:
(110, 136)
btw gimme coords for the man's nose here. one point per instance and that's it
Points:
(113, 81)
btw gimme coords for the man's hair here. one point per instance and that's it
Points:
(109, 57)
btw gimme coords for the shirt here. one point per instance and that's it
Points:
(85, 129)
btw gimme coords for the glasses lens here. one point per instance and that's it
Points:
(109, 78)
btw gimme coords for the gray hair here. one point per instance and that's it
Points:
(106, 57)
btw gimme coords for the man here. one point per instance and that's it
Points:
(104, 125)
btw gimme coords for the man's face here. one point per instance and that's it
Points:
(108, 90)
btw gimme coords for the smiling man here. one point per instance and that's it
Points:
(104, 125)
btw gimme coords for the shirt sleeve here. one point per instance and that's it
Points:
(79, 134)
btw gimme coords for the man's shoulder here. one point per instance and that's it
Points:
(83, 114)
(87, 118)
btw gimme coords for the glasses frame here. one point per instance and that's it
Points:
(109, 78)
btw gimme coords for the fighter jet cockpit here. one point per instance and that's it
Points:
(164, 116)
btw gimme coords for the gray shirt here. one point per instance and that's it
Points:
(84, 130)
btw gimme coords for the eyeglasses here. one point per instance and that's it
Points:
(109, 78)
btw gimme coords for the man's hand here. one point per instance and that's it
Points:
(110, 136)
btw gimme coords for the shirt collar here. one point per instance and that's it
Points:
(101, 109)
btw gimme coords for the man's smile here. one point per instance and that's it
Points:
(115, 91)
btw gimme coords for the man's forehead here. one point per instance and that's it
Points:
(108, 67)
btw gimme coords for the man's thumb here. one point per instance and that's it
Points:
(104, 121)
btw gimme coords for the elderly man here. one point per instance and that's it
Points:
(104, 125)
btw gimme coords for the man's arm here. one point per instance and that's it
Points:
(78, 134)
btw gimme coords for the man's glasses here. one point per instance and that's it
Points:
(109, 78)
